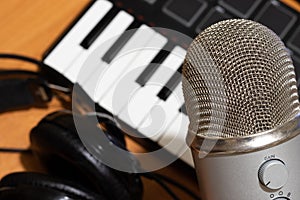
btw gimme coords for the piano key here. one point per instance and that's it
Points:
(285, 18)
(183, 109)
(294, 41)
(154, 65)
(139, 105)
(240, 8)
(107, 74)
(69, 48)
(188, 158)
(166, 91)
(161, 115)
(173, 62)
(117, 97)
(123, 39)
(99, 28)
(145, 98)
(116, 27)
(174, 138)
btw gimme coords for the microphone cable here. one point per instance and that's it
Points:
(22, 58)
(14, 150)
(34, 61)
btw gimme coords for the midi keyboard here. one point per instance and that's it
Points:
(119, 26)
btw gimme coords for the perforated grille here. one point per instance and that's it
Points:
(238, 80)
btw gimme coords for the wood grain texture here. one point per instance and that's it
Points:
(28, 27)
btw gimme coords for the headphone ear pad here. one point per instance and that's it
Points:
(30, 185)
(56, 143)
(30, 193)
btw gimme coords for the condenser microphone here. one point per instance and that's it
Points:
(241, 98)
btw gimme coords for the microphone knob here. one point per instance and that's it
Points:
(273, 174)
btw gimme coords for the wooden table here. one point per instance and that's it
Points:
(29, 27)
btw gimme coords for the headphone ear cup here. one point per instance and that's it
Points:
(56, 143)
(30, 185)
(30, 193)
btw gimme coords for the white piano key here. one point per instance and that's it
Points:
(124, 58)
(69, 48)
(117, 97)
(188, 158)
(105, 40)
(146, 97)
(99, 82)
(174, 137)
(90, 85)
(169, 66)
(139, 105)
(161, 115)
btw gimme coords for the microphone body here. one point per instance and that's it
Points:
(242, 101)
(269, 171)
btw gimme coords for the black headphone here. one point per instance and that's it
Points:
(73, 172)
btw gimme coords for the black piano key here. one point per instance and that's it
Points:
(172, 83)
(294, 41)
(241, 8)
(121, 41)
(154, 65)
(98, 29)
(164, 93)
(183, 109)
(277, 17)
(215, 15)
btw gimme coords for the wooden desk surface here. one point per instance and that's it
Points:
(29, 27)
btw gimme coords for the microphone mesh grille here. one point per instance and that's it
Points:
(238, 80)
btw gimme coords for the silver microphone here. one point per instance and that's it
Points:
(241, 98)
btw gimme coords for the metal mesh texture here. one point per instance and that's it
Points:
(238, 80)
